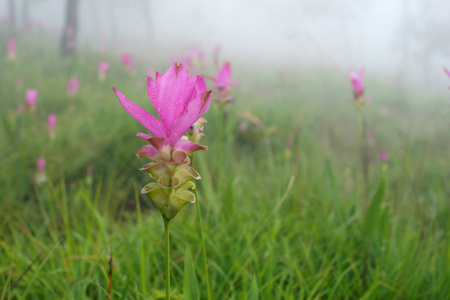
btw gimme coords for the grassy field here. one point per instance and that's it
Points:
(281, 221)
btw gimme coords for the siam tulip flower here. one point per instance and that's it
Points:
(103, 67)
(11, 49)
(127, 62)
(222, 85)
(151, 72)
(195, 132)
(69, 31)
(51, 124)
(73, 86)
(358, 87)
(180, 100)
(31, 99)
(40, 176)
(383, 156)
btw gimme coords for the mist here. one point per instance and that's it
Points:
(398, 41)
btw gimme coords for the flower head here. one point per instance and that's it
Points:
(383, 156)
(31, 98)
(40, 176)
(103, 67)
(447, 71)
(356, 81)
(127, 62)
(11, 44)
(73, 86)
(222, 81)
(51, 123)
(180, 100)
(41, 164)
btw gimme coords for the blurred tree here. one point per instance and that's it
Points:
(25, 6)
(12, 17)
(70, 29)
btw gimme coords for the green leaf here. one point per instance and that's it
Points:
(190, 282)
(373, 212)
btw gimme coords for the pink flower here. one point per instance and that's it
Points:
(11, 44)
(41, 164)
(31, 98)
(151, 72)
(127, 61)
(447, 71)
(222, 81)
(383, 156)
(103, 67)
(180, 100)
(51, 123)
(69, 31)
(73, 86)
(356, 81)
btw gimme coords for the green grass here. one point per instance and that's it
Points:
(279, 223)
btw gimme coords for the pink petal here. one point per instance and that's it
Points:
(188, 146)
(143, 135)
(147, 151)
(195, 109)
(141, 115)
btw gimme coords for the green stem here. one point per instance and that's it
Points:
(166, 230)
(202, 236)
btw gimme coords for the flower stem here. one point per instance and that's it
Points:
(166, 230)
(202, 236)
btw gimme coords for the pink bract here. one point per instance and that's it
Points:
(51, 121)
(41, 164)
(11, 45)
(31, 97)
(180, 100)
(222, 81)
(73, 86)
(383, 155)
(103, 67)
(447, 71)
(356, 81)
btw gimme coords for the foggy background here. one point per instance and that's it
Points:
(401, 41)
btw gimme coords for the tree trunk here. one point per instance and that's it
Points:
(70, 29)
(26, 4)
(12, 17)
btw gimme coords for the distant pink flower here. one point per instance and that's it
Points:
(151, 72)
(73, 86)
(51, 124)
(222, 81)
(69, 31)
(370, 137)
(19, 82)
(41, 164)
(31, 98)
(356, 81)
(200, 55)
(127, 61)
(180, 100)
(103, 67)
(447, 71)
(383, 156)
(11, 44)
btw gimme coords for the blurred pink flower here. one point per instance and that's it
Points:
(222, 81)
(31, 98)
(73, 86)
(447, 71)
(51, 124)
(383, 156)
(127, 61)
(151, 72)
(180, 100)
(103, 67)
(356, 81)
(370, 137)
(11, 44)
(69, 31)
(41, 164)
